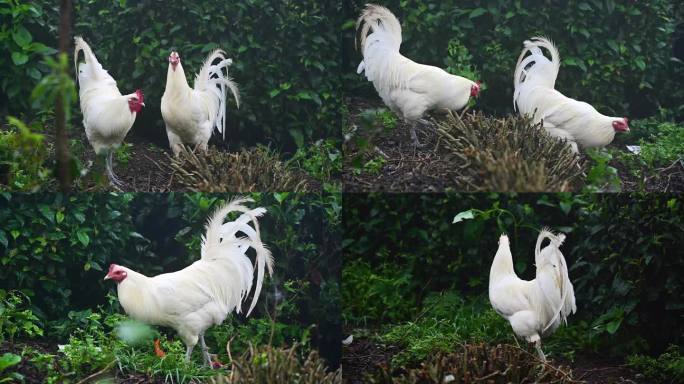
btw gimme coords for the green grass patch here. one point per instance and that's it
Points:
(666, 368)
(446, 322)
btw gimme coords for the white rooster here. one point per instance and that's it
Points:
(565, 118)
(409, 89)
(203, 294)
(107, 114)
(534, 308)
(190, 114)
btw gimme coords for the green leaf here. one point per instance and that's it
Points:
(565, 207)
(83, 237)
(477, 12)
(465, 215)
(280, 197)
(613, 326)
(19, 58)
(59, 216)
(640, 63)
(9, 359)
(3, 238)
(22, 37)
(46, 212)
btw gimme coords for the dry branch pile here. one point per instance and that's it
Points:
(246, 171)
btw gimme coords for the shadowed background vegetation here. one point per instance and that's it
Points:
(57, 248)
(420, 281)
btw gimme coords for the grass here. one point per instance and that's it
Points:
(322, 161)
(104, 345)
(666, 368)
(445, 324)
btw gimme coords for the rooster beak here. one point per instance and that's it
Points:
(107, 277)
(143, 104)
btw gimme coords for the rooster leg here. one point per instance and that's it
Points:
(414, 137)
(205, 352)
(188, 352)
(175, 141)
(109, 165)
(537, 346)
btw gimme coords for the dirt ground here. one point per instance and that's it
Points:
(432, 168)
(365, 356)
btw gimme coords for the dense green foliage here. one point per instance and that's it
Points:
(285, 58)
(25, 36)
(615, 55)
(56, 249)
(620, 249)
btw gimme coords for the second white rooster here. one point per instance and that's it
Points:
(565, 118)
(203, 294)
(534, 308)
(409, 89)
(191, 114)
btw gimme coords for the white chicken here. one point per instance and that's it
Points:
(534, 308)
(107, 114)
(203, 294)
(409, 89)
(565, 118)
(190, 114)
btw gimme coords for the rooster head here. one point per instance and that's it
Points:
(136, 101)
(621, 125)
(116, 273)
(174, 59)
(475, 89)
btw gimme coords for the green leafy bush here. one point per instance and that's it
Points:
(666, 146)
(22, 25)
(8, 360)
(15, 321)
(666, 368)
(22, 158)
(377, 294)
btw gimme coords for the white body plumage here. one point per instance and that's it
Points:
(409, 89)
(533, 308)
(107, 114)
(191, 114)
